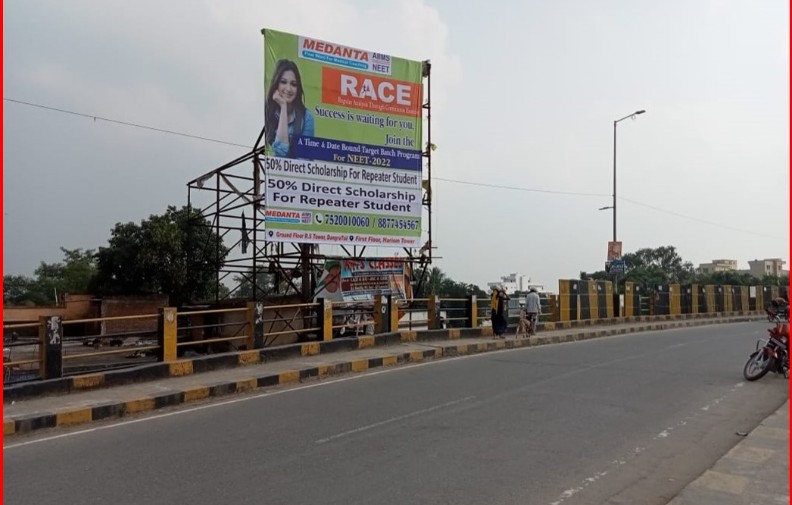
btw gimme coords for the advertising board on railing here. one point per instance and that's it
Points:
(360, 280)
(343, 144)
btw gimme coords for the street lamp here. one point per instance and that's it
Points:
(615, 277)
(614, 166)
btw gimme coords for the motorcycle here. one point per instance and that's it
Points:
(771, 354)
(778, 309)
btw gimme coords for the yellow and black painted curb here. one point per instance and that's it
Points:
(196, 365)
(114, 410)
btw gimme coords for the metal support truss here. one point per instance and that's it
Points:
(232, 200)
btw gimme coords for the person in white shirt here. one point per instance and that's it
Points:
(533, 308)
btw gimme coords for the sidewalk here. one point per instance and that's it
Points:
(755, 471)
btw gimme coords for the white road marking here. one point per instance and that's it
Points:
(569, 493)
(326, 383)
(229, 402)
(393, 420)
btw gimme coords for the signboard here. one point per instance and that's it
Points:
(615, 267)
(343, 143)
(360, 280)
(614, 250)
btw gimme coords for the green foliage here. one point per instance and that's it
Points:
(774, 280)
(73, 275)
(438, 283)
(661, 265)
(264, 284)
(22, 290)
(177, 253)
(728, 278)
(650, 267)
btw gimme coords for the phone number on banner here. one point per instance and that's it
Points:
(383, 223)
(389, 223)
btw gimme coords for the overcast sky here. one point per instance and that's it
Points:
(524, 95)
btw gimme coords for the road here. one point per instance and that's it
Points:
(618, 420)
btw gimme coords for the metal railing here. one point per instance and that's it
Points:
(69, 347)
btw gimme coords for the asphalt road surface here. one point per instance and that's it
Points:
(619, 420)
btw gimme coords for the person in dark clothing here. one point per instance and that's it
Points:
(779, 307)
(499, 307)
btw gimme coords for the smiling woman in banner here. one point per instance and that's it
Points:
(287, 118)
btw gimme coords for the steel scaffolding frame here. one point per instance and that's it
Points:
(236, 209)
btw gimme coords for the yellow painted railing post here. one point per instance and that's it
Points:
(674, 299)
(394, 313)
(378, 313)
(167, 335)
(327, 319)
(552, 303)
(694, 298)
(431, 312)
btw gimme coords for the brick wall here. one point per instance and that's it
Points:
(115, 306)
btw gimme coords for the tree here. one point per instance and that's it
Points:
(661, 264)
(20, 290)
(774, 280)
(728, 278)
(439, 284)
(265, 282)
(73, 275)
(650, 267)
(177, 253)
(434, 282)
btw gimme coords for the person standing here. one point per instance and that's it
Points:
(499, 306)
(533, 308)
(494, 311)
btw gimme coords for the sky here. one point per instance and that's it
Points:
(524, 96)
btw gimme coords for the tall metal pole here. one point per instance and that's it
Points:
(614, 180)
(616, 276)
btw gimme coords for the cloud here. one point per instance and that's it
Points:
(182, 65)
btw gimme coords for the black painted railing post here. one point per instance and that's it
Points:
(51, 338)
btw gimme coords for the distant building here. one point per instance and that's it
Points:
(770, 266)
(758, 268)
(515, 282)
(718, 266)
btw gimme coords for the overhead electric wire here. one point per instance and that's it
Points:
(518, 188)
(456, 181)
(125, 123)
(711, 223)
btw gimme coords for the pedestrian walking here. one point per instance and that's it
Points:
(533, 309)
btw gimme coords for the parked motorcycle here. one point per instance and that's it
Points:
(771, 355)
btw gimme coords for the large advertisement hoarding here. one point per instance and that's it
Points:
(361, 279)
(343, 144)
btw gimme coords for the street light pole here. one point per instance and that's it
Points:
(614, 164)
(616, 276)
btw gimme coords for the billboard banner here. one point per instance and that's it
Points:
(614, 250)
(360, 280)
(343, 134)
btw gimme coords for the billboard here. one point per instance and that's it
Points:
(361, 279)
(614, 250)
(343, 134)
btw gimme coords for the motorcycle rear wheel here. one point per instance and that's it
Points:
(757, 366)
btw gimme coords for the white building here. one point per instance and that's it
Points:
(758, 268)
(718, 266)
(515, 282)
(769, 266)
